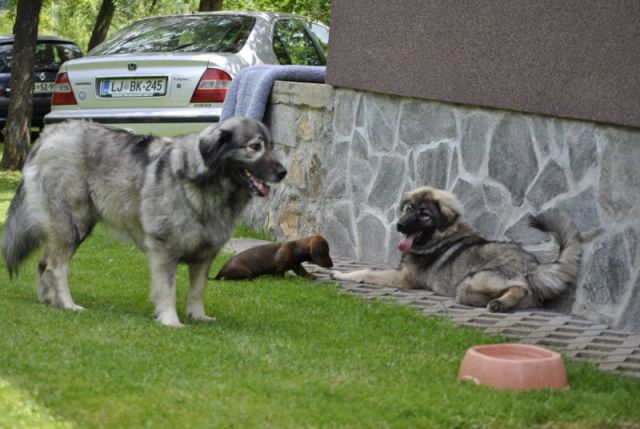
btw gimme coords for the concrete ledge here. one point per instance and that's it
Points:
(301, 94)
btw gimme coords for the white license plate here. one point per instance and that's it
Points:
(43, 87)
(133, 87)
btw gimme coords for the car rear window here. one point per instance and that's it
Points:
(49, 55)
(180, 34)
(6, 55)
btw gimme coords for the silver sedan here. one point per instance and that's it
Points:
(169, 75)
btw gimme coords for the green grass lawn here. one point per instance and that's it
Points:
(283, 353)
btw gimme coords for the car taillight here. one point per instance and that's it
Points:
(212, 87)
(62, 92)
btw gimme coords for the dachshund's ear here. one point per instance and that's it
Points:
(212, 144)
(319, 251)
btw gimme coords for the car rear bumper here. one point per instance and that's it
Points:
(167, 122)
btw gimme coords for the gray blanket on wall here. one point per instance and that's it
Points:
(249, 92)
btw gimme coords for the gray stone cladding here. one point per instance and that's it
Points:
(352, 154)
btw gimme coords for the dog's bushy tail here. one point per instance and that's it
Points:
(550, 280)
(21, 236)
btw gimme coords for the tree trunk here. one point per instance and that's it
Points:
(18, 127)
(210, 5)
(103, 22)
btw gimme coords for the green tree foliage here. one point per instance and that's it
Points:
(318, 10)
(74, 19)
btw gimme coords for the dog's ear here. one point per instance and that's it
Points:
(212, 145)
(448, 215)
(319, 251)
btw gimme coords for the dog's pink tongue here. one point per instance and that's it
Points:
(405, 245)
(262, 187)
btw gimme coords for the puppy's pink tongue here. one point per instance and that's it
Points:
(405, 245)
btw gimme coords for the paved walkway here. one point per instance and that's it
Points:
(573, 336)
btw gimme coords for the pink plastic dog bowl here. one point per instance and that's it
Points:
(514, 367)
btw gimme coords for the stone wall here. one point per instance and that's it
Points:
(352, 154)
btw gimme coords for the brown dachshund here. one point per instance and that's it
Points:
(277, 259)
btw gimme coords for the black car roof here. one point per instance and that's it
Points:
(10, 38)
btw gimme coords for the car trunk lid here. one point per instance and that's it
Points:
(148, 80)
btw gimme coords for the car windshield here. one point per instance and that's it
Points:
(49, 55)
(180, 34)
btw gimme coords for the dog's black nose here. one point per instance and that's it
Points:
(400, 226)
(280, 173)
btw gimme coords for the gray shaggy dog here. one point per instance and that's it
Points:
(442, 253)
(178, 199)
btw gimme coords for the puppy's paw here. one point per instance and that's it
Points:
(495, 306)
(339, 275)
(353, 276)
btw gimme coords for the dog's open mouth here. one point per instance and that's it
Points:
(407, 243)
(255, 185)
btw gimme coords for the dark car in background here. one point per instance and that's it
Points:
(51, 52)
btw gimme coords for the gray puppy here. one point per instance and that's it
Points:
(442, 253)
(178, 199)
